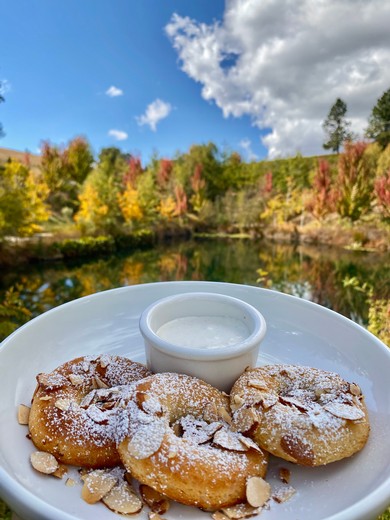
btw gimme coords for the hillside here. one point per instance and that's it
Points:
(23, 157)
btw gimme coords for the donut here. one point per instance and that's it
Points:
(304, 415)
(180, 443)
(74, 408)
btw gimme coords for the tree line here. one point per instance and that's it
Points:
(202, 190)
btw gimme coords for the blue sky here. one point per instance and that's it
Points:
(160, 75)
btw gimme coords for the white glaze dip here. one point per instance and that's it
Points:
(204, 332)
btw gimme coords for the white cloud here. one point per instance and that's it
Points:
(285, 62)
(119, 135)
(114, 91)
(246, 145)
(155, 112)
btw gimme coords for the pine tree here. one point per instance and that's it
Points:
(336, 127)
(379, 121)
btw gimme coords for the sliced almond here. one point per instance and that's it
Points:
(45, 398)
(104, 361)
(238, 401)
(258, 383)
(268, 400)
(97, 415)
(246, 441)
(245, 418)
(354, 389)
(219, 516)
(146, 440)
(44, 462)
(63, 404)
(122, 499)
(224, 415)
(97, 484)
(51, 381)
(100, 383)
(157, 502)
(293, 401)
(258, 491)
(76, 379)
(283, 494)
(23, 414)
(70, 482)
(344, 411)
(229, 440)
(60, 471)
(154, 516)
(285, 475)
(241, 511)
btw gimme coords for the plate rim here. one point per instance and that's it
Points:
(371, 504)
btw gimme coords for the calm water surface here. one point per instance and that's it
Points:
(320, 275)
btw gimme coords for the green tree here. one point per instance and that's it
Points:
(336, 127)
(379, 121)
(99, 210)
(64, 170)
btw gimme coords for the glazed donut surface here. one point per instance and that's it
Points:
(74, 409)
(179, 442)
(301, 414)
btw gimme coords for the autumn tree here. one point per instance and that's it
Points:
(379, 121)
(99, 210)
(64, 170)
(322, 199)
(354, 181)
(336, 127)
(22, 200)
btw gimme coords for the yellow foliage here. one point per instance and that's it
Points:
(91, 210)
(167, 207)
(129, 204)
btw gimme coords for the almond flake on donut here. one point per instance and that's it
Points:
(52, 381)
(147, 439)
(100, 383)
(229, 440)
(63, 404)
(260, 384)
(344, 411)
(246, 418)
(292, 401)
(196, 430)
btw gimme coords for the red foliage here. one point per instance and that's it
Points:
(164, 172)
(268, 182)
(181, 200)
(382, 192)
(197, 182)
(134, 170)
(323, 200)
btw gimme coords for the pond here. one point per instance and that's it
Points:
(334, 278)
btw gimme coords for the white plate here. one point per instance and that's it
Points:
(299, 332)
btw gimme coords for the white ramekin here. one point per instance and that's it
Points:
(220, 366)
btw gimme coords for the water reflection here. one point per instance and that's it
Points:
(308, 272)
